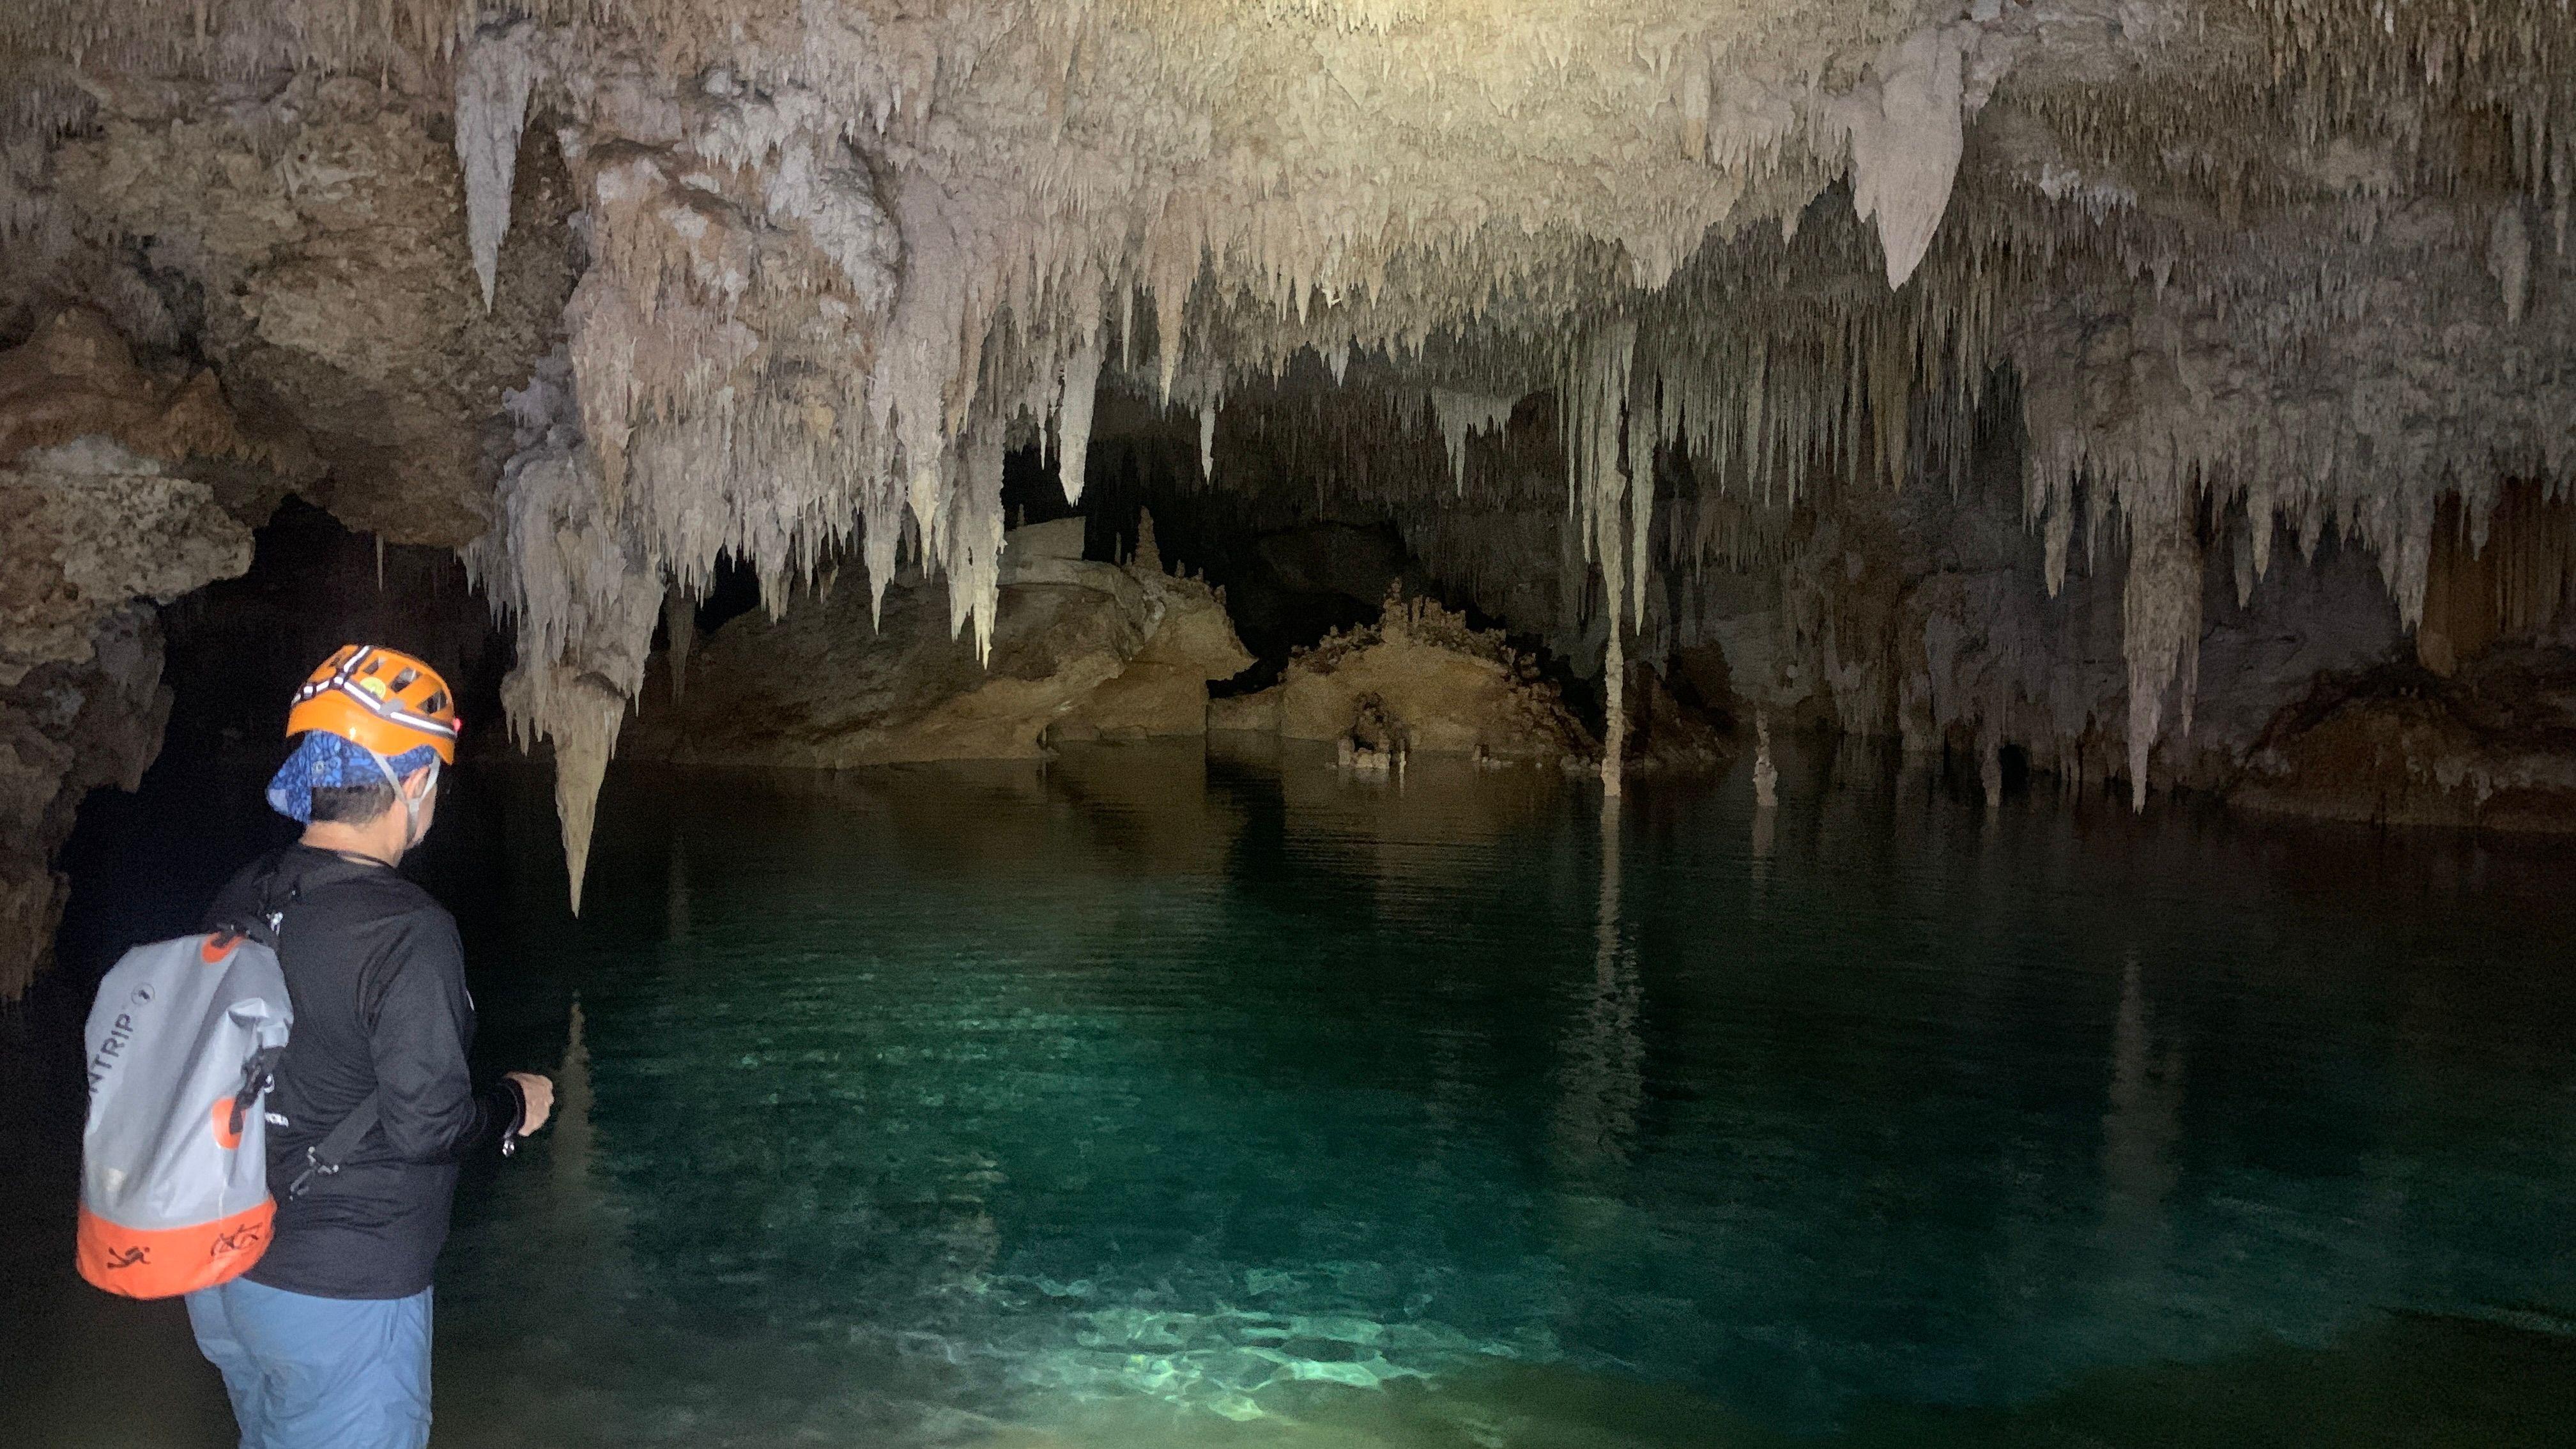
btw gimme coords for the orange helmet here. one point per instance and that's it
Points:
(385, 701)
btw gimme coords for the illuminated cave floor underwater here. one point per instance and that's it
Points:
(1151, 1100)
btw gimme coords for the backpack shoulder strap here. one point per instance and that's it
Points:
(326, 1157)
(270, 896)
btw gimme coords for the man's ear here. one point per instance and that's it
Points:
(424, 779)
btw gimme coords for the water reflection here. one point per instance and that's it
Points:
(1107, 1103)
(675, 907)
(2144, 1120)
(2139, 1134)
(1603, 1079)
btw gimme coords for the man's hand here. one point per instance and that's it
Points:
(540, 1095)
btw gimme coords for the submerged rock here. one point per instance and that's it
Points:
(1419, 680)
(1081, 650)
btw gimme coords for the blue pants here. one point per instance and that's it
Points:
(318, 1373)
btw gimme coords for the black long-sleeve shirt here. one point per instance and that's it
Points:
(377, 978)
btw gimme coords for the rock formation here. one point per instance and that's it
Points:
(1420, 680)
(1081, 650)
(2494, 746)
(102, 520)
(305, 235)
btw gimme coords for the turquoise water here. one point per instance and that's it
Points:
(1146, 1098)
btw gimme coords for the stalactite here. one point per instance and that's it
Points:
(2509, 260)
(1081, 382)
(1907, 134)
(582, 598)
(835, 253)
(1766, 775)
(496, 73)
(680, 628)
(2160, 632)
(1595, 394)
(1460, 415)
(1614, 737)
(2510, 579)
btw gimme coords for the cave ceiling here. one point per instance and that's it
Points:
(604, 292)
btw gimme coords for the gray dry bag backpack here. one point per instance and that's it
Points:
(182, 1042)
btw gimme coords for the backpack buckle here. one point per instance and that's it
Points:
(314, 1167)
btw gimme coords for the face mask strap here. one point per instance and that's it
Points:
(411, 817)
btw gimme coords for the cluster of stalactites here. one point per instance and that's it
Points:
(1762, 376)
(756, 368)
(740, 251)
(770, 353)
(2385, 373)
(1760, 370)
(559, 568)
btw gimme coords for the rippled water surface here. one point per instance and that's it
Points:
(1150, 1100)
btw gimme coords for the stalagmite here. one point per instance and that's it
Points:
(1147, 556)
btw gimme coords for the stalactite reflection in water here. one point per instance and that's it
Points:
(1766, 822)
(585, 1223)
(2139, 1131)
(1604, 1072)
(1766, 775)
(573, 1141)
(1766, 802)
(675, 909)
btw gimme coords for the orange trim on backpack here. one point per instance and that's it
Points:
(217, 947)
(227, 1136)
(166, 1262)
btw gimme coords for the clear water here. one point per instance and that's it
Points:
(1151, 1100)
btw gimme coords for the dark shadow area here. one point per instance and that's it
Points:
(144, 864)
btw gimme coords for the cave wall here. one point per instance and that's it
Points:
(102, 520)
(302, 237)
(229, 292)
(1920, 614)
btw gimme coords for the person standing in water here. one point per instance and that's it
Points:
(324, 1343)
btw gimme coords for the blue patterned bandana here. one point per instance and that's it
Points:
(324, 761)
